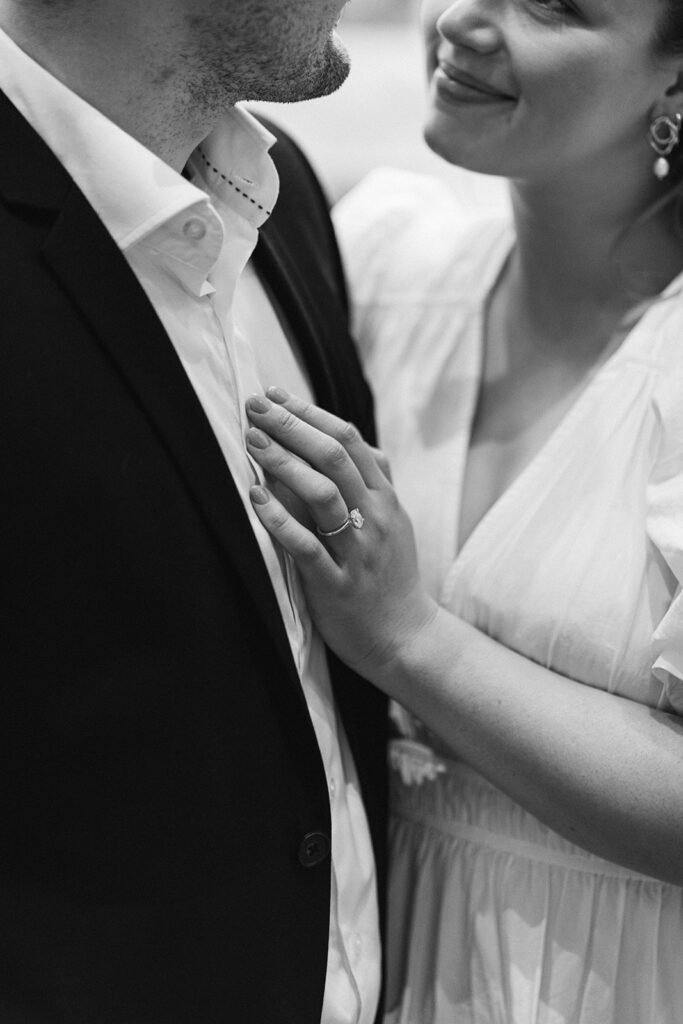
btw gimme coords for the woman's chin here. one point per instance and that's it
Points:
(449, 145)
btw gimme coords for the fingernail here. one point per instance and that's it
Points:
(257, 403)
(259, 495)
(277, 395)
(256, 438)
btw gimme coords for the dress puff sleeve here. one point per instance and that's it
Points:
(665, 530)
(381, 224)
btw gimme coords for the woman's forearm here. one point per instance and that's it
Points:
(603, 771)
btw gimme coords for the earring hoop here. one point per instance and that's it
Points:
(664, 136)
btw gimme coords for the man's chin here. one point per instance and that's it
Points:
(315, 78)
(336, 69)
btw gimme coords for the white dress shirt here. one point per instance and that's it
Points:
(189, 244)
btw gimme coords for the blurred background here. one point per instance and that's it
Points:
(375, 119)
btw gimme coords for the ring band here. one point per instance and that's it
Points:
(354, 519)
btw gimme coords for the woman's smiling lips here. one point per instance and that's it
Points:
(456, 85)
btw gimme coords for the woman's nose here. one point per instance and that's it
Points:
(474, 24)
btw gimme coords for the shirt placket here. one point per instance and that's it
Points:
(246, 380)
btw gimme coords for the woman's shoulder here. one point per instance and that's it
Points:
(390, 198)
(403, 234)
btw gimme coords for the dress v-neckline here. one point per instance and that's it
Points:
(612, 355)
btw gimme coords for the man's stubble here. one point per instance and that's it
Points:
(281, 65)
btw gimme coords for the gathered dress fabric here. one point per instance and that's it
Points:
(493, 917)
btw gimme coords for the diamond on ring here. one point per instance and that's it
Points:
(356, 518)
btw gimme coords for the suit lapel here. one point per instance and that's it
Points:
(315, 322)
(99, 281)
(89, 266)
(282, 279)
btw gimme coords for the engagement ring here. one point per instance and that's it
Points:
(354, 519)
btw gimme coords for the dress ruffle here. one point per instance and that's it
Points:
(495, 919)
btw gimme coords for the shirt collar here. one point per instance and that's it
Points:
(233, 164)
(133, 191)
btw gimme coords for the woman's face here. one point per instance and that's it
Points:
(539, 89)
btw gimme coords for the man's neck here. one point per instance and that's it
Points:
(139, 86)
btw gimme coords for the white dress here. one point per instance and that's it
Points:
(494, 918)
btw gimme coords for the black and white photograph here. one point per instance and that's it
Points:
(341, 421)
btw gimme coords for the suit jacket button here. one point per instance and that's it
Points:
(315, 847)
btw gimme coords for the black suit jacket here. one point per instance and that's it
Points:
(159, 770)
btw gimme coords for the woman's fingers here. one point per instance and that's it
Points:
(345, 433)
(319, 493)
(320, 459)
(305, 548)
(383, 463)
(289, 434)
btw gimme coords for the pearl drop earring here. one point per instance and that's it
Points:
(664, 136)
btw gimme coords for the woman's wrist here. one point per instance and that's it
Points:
(413, 655)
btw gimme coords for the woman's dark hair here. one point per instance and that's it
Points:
(669, 37)
(646, 279)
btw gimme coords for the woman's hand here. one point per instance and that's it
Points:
(361, 581)
(603, 771)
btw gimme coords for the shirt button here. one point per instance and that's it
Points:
(194, 229)
(314, 849)
(332, 787)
